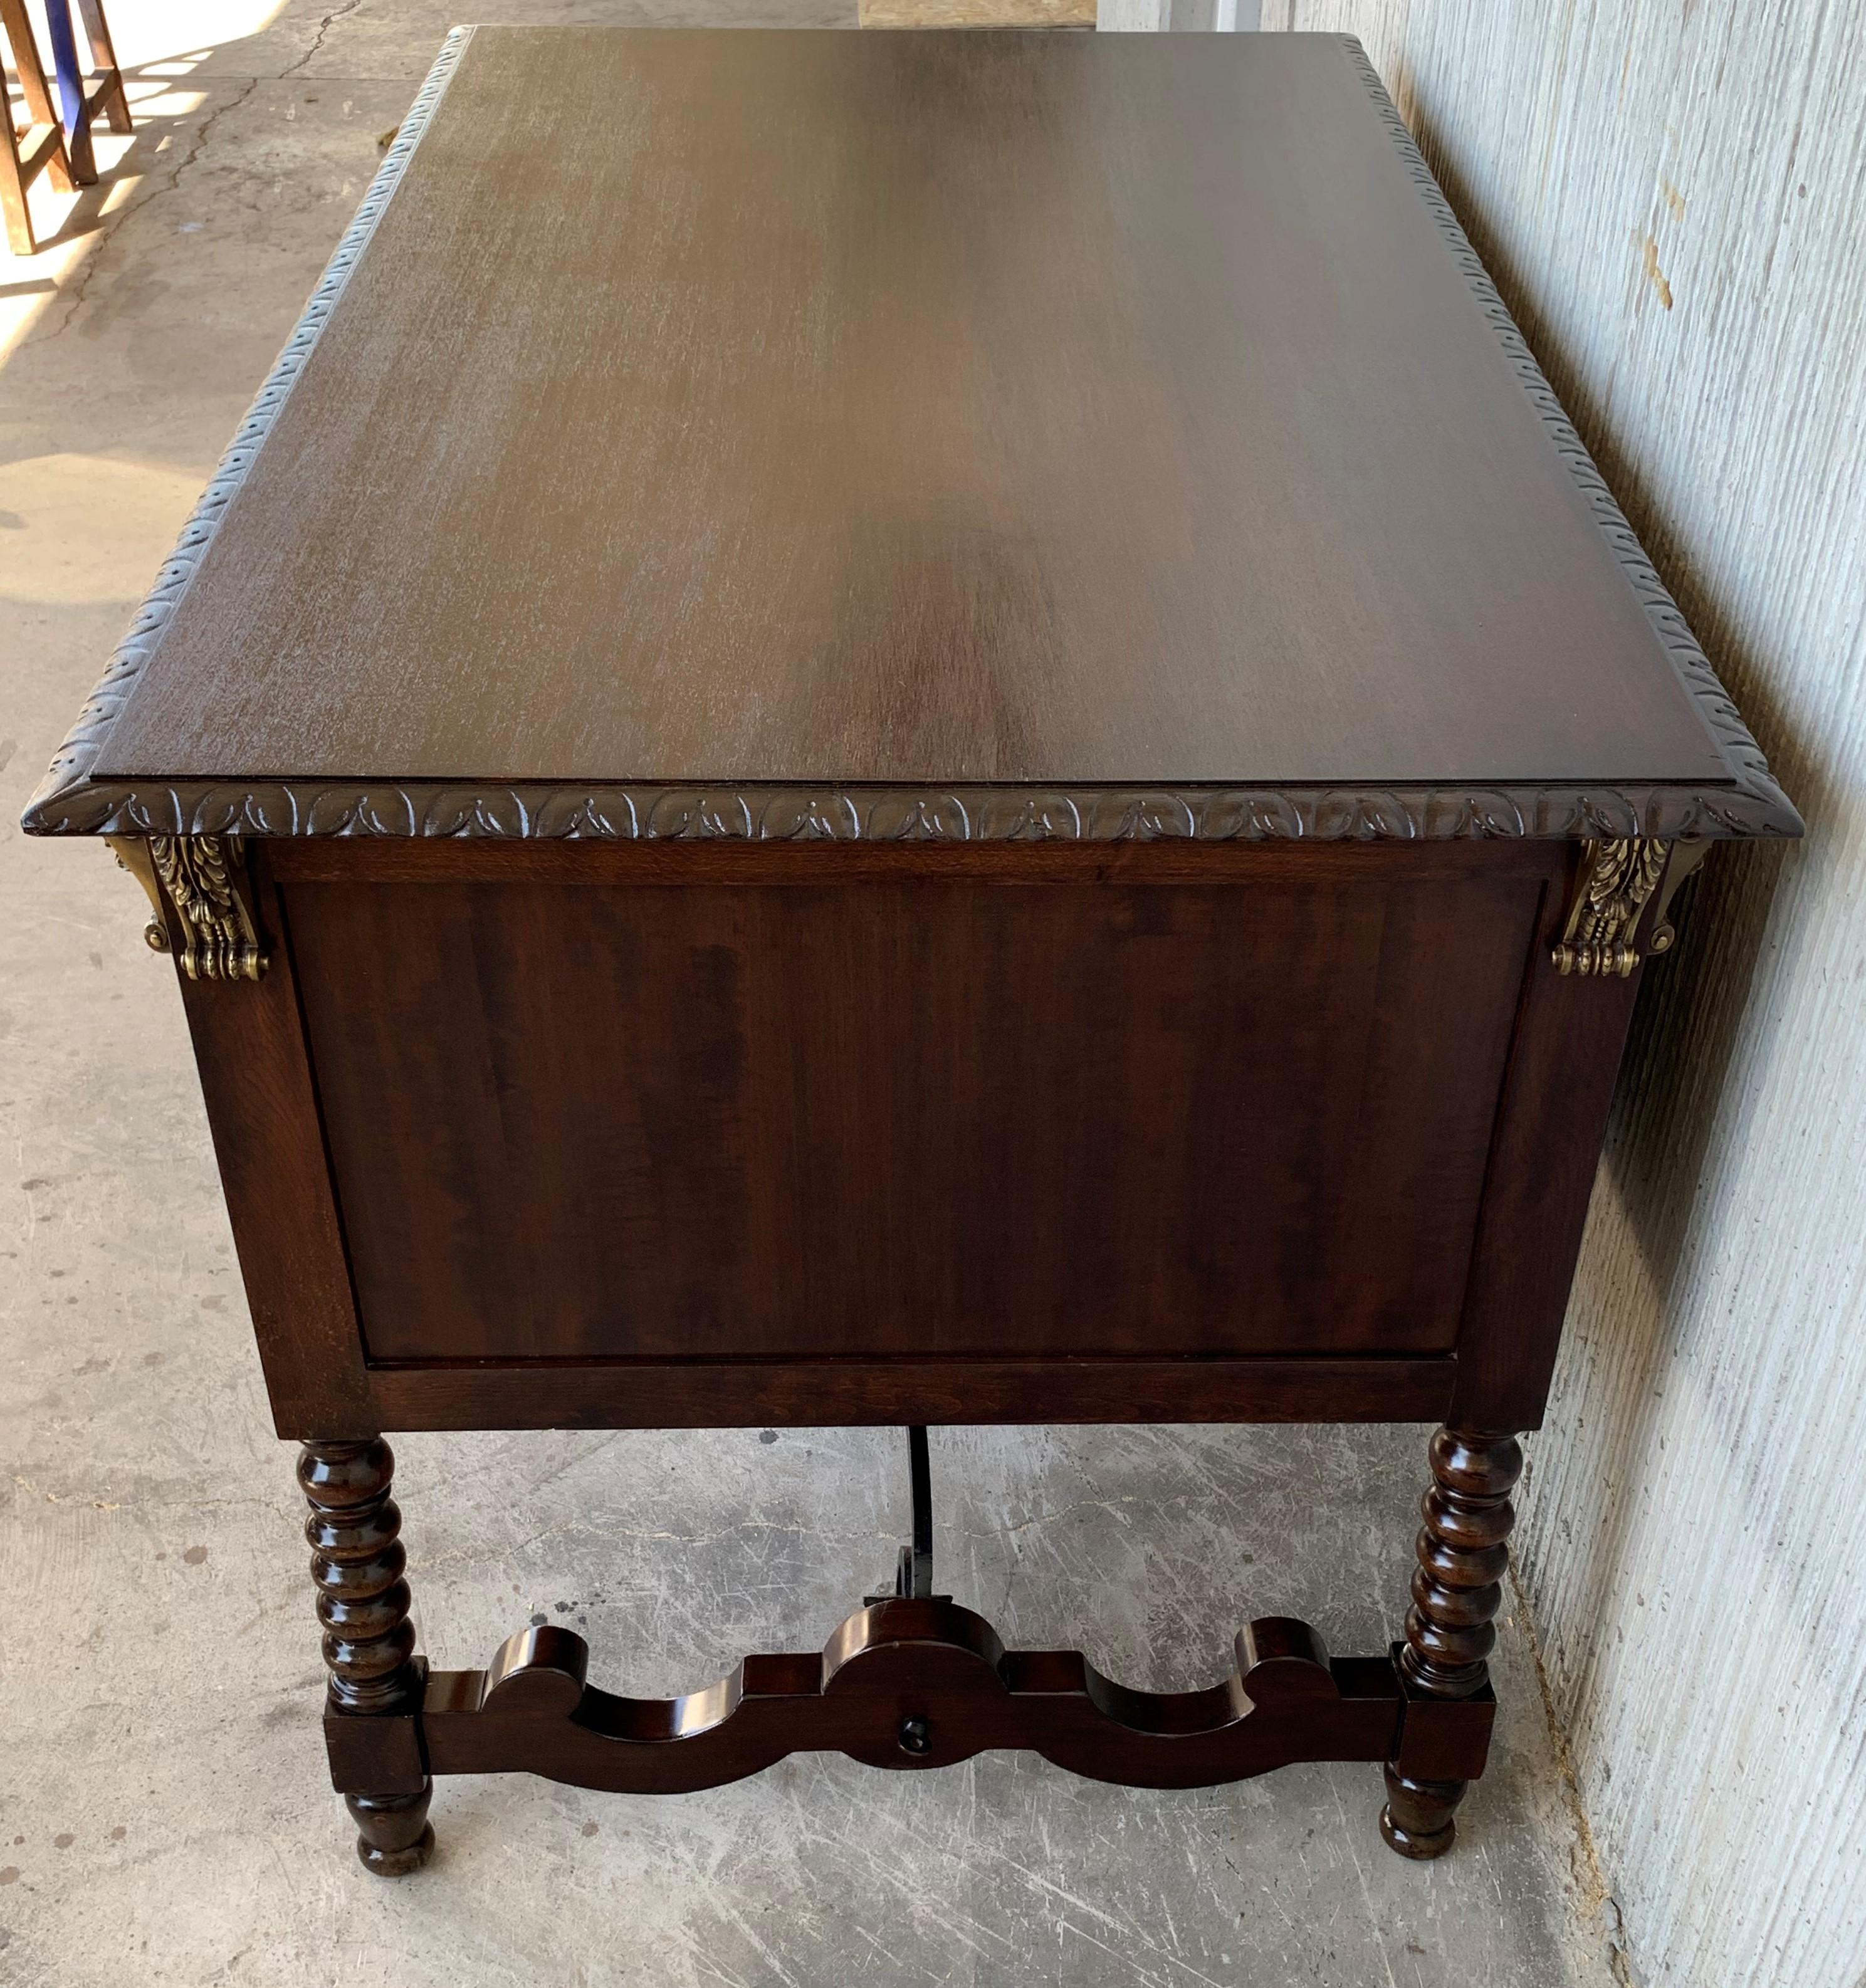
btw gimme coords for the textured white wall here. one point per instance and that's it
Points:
(1132, 16)
(1672, 199)
(1181, 16)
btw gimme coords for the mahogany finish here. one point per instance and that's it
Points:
(994, 758)
(1093, 484)
(743, 1394)
(357, 1562)
(907, 1684)
(580, 1122)
(1463, 1555)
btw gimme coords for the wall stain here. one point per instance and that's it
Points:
(1648, 253)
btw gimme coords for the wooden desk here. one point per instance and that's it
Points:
(907, 728)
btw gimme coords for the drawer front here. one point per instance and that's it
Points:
(575, 1122)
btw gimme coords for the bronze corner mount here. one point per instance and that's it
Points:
(201, 902)
(1619, 884)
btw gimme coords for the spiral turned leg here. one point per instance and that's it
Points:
(357, 1562)
(1457, 1589)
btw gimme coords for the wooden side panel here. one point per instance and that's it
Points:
(1564, 1060)
(916, 1118)
(249, 1044)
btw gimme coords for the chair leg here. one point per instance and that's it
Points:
(17, 28)
(108, 96)
(13, 194)
(71, 92)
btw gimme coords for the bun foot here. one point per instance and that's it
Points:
(394, 1836)
(1418, 1819)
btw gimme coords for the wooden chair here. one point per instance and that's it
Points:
(59, 148)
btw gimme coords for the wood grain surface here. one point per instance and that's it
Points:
(749, 1393)
(857, 407)
(911, 1118)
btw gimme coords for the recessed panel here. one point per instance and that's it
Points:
(578, 1121)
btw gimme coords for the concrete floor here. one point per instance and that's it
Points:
(164, 1818)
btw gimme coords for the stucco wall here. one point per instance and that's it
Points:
(1672, 199)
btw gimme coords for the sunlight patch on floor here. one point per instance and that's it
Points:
(52, 550)
(158, 42)
(154, 31)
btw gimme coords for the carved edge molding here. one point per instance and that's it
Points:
(68, 803)
(62, 805)
(640, 812)
(1759, 806)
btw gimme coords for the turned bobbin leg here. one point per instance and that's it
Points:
(357, 1562)
(1456, 1591)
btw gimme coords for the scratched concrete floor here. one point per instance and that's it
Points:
(162, 1819)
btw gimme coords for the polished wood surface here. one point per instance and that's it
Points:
(1444, 1284)
(263, 1108)
(587, 1122)
(1551, 1120)
(1463, 1553)
(1463, 1556)
(909, 1686)
(790, 449)
(746, 1394)
(358, 1566)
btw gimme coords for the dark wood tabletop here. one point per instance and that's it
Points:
(916, 410)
